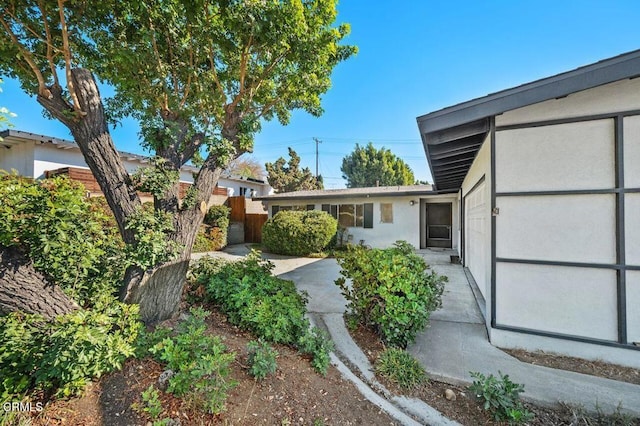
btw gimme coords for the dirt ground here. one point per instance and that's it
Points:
(295, 395)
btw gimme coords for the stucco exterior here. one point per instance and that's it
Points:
(408, 224)
(550, 209)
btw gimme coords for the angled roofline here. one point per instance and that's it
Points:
(626, 65)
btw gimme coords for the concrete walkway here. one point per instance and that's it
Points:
(455, 344)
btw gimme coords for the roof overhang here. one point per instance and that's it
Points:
(291, 197)
(454, 134)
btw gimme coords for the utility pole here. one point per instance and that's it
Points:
(318, 141)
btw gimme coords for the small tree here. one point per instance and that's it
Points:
(286, 176)
(368, 166)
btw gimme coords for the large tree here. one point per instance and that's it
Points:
(198, 75)
(287, 176)
(368, 166)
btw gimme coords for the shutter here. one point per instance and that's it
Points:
(311, 206)
(368, 215)
(274, 210)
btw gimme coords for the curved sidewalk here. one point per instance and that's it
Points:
(455, 344)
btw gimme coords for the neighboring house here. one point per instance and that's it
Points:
(379, 216)
(36, 156)
(548, 175)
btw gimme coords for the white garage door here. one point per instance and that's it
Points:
(476, 249)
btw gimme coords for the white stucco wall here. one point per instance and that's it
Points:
(571, 228)
(477, 253)
(565, 156)
(19, 157)
(632, 151)
(632, 228)
(50, 157)
(568, 300)
(406, 218)
(614, 97)
(633, 306)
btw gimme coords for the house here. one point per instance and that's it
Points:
(379, 216)
(548, 181)
(39, 156)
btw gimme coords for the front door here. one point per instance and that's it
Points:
(439, 225)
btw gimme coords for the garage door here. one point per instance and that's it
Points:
(476, 224)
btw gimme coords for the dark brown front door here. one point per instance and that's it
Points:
(439, 225)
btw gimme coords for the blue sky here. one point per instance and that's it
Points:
(416, 57)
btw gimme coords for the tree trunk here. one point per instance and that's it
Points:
(24, 289)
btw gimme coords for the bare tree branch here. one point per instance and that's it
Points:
(66, 49)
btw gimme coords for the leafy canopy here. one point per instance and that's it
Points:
(367, 166)
(199, 75)
(286, 176)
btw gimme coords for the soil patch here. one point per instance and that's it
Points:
(578, 365)
(295, 395)
(466, 409)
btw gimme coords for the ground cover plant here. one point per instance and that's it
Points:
(391, 290)
(501, 397)
(401, 368)
(263, 304)
(298, 233)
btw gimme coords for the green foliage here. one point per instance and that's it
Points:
(5, 115)
(152, 405)
(298, 233)
(368, 166)
(255, 300)
(262, 359)
(401, 368)
(213, 233)
(318, 344)
(157, 179)
(200, 362)
(218, 217)
(62, 355)
(152, 245)
(286, 176)
(501, 396)
(390, 290)
(68, 237)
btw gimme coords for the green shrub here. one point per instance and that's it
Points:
(200, 362)
(255, 300)
(218, 217)
(69, 238)
(298, 233)
(390, 290)
(401, 368)
(262, 359)
(501, 396)
(317, 343)
(61, 356)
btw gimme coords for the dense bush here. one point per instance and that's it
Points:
(213, 233)
(61, 356)
(401, 368)
(201, 363)
(255, 300)
(298, 233)
(391, 290)
(69, 238)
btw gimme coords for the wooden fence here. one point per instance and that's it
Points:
(252, 222)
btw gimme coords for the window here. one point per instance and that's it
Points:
(243, 191)
(386, 213)
(351, 215)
